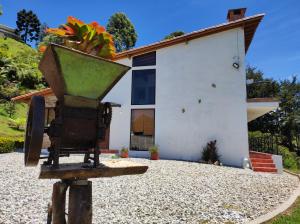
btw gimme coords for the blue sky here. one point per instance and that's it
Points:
(275, 49)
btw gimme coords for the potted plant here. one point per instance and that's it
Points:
(81, 64)
(89, 38)
(124, 152)
(154, 152)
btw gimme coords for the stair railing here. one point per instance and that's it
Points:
(265, 144)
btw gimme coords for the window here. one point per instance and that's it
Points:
(143, 87)
(142, 129)
(144, 60)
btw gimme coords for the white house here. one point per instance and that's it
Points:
(183, 92)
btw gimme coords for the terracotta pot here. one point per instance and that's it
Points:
(154, 156)
(124, 154)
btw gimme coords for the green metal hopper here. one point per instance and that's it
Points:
(74, 73)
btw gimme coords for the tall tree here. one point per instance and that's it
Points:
(261, 87)
(42, 33)
(289, 111)
(285, 121)
(28, 26)
(174, 34)
(1, 10)
(122, 30)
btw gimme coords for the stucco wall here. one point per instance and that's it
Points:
(184, 75)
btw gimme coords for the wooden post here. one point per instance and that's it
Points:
(80, 202)
(59, 202)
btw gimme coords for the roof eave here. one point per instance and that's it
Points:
(250, 25)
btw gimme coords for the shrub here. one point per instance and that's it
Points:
(210, 152)
(255, 134)
(18, 123)
(124, 150)
(289, 158)
(10, 108)
(7, 145)
(19, 143)
(154, 149)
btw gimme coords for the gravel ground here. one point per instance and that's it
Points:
(169, 192)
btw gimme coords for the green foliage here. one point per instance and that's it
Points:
(7, 145)
(18, 68)
(28, 26)
(123, 31)
(50, 38)
(285, 121)
(210, 152)
(154, 149)
(174, 34)
(42, 33)
(291, 216)
(1, 10)
(289, 111)
(289, 158)
(10, 108)
(255, 134)
(261, 87)
(89, 38)
(124, 149)
(18, 123)
(5, 122)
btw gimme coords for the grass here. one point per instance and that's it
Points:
(5, 130)
(15, 47)
(290, 216)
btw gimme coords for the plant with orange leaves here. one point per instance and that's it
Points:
(90, 38)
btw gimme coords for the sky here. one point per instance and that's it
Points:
(275, 49)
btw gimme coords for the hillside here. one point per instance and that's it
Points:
(18, 68)
(15, 47)
(18, 74)
(5, 129)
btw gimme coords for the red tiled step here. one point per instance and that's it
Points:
(265, 169)
(262, 162)
(260, 156)
(271, 165)
(258, 160)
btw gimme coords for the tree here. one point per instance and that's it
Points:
(50, 38)
(122, 30)
(18, 69)
(289, 111)
(10, 108)
(261, 87)
(174, 34)
(28, 26)
(42, 33)
(1, 10)
(285, 121)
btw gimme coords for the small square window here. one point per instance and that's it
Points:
(144, 59)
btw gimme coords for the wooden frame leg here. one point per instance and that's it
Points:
(80, 202)
(59, 202)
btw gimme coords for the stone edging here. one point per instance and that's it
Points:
(282, 207)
